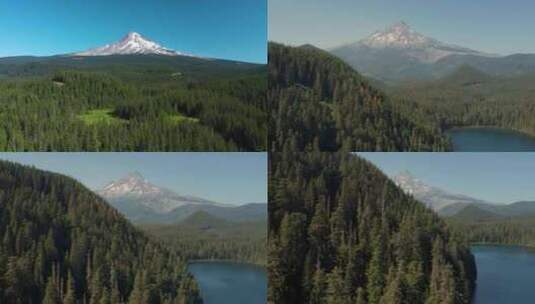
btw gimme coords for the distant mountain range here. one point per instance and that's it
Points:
(400, 53)
(132, 44)
(458, 206)
(143, 202)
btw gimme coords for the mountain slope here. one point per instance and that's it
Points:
(319, 102)
(516, 209)
(143, 202)
(63, 244)
(132, 43)
(435, 198)
(204, 236)
(398, 52)
(341, 232)
(135, 189)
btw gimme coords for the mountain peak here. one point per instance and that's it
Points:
(133, 187)
(409, 183)
(133, 43)
(400, 26)
(135, 175)
(399, 35)
(132, 184)
(133, 35)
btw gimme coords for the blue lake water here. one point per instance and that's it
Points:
(487, 139)
(506, 274)
(230, 283)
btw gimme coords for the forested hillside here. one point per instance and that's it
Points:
(341, 232)
(320, 103)
(203, 236)
(469, 97)
(512, 224)
(509, 231)
(61, 243)
(131, 103)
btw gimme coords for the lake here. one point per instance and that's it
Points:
(506, 274)
(488, 139)
(230, 283)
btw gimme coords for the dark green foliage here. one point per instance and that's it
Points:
(319, 103)
(470, 98)
(341, 232)
(205, 237)
(61, 243)
(42, 110)
(517, 230)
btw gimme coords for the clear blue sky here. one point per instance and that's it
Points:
(494, 177)
(230, 29)
(494, 26)
(232, 178)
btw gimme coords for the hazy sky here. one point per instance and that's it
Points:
(494, 26)
(233, 178)
(495, 177)
(230, 29)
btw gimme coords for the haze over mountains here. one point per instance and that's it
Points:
(143, 202)
(401, 53)
(458, 206)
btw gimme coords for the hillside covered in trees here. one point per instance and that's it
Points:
(131, 103)
(512, 224)
(317, 102)
(470, 97)
(61, 243)
(203, 236)
(341, 232)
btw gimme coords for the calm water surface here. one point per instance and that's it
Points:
(487, 139)
(506, 274)
(230, 283)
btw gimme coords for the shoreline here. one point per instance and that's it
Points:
(226, 261)
(458, 128)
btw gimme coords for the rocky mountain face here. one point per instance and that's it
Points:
(143, 202)
(433, 197)
(132, 44)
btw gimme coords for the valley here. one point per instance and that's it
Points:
(501, 235)
(198, 228)
(118, 97)
(428, 95)
(65, 243)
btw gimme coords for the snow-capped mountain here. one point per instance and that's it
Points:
(143, 202)
(399, 52)
(135, 189)
(132, 44)
(433, 197)
(422, 48)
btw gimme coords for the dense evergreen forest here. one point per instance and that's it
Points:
(469, 97)
(206, 237)
(341, 232)
(508, 231)
(132, 103)
(320, 103)
(61, 243)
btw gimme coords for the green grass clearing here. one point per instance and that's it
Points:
(100, 116)
(179, 118)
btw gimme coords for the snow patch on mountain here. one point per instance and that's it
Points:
(425, 49)
(132, 44)
(433, 197)
(135, 189)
